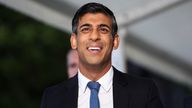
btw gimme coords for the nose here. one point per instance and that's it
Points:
(94, 36)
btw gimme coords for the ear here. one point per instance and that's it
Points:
(73, 41)
(116, 41)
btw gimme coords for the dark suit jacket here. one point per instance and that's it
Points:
(188, 102)
(128, 92)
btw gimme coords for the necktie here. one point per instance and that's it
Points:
(94, 100)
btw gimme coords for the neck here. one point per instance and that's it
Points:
(94, 73)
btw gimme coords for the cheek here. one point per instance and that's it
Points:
(109, 42)
(81, 40)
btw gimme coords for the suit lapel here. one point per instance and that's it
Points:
(120, 92)
(72, 93)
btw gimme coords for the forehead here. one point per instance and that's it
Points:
(95, 18)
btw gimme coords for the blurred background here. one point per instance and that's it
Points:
(34, 40)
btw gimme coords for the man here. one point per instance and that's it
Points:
(94, 37)
(72, 63)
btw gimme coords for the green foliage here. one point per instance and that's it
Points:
(32, 57)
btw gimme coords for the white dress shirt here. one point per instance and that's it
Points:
(105, 92)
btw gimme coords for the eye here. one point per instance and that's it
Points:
(73, 65)
(104, 30)
(85, 29)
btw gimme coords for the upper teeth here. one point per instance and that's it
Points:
(94, 48)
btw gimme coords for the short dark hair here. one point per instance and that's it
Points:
(94, 8)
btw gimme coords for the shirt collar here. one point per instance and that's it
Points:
(105, 81)
(82, 82)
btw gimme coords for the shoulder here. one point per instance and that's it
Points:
(139, 90)
(133, 81)
(60, 94)
(63, 86)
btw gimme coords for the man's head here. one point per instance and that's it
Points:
(94, 36)
(72, 63)
(94, 8)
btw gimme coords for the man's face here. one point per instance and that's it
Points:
(72, 63)
(94, 41)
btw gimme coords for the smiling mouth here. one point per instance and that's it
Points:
(94, 49)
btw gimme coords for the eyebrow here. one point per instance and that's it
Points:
(89, 25)
(85, 25)
(104, 25)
